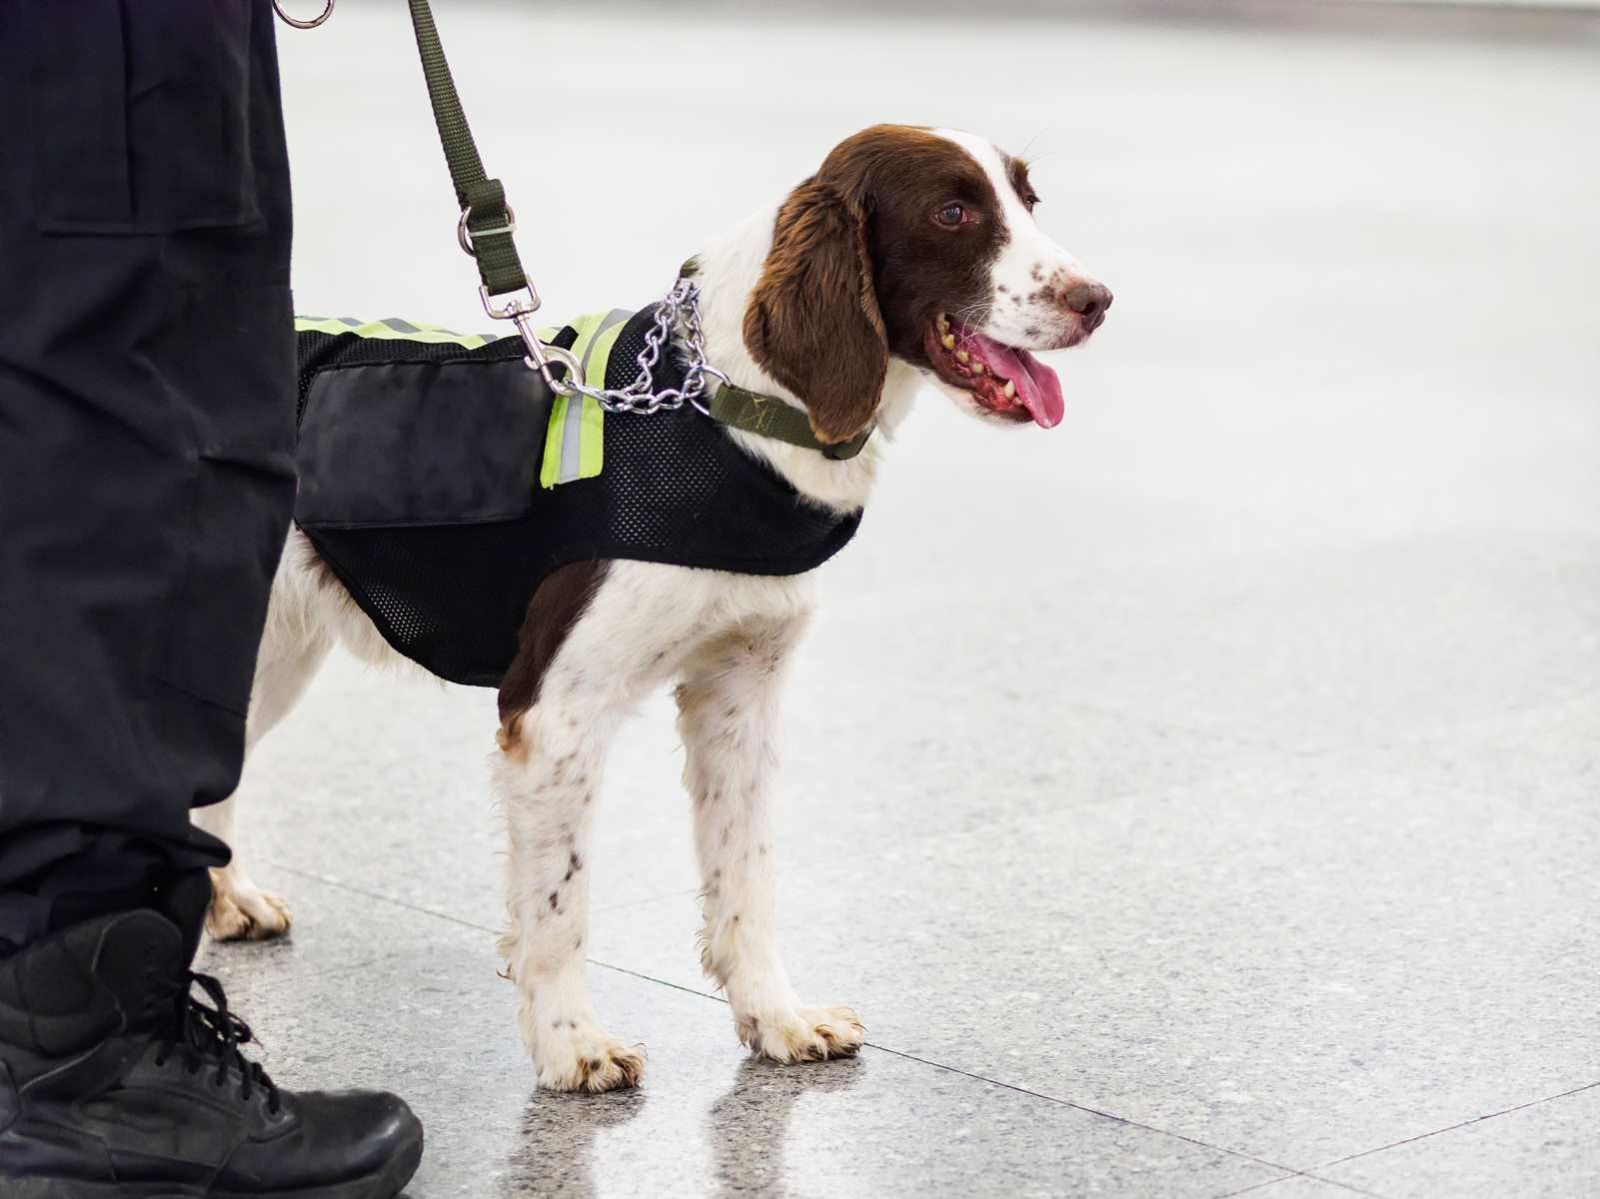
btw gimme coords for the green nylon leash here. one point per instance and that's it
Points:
(487, 228)
(486, 233)
(487, 221)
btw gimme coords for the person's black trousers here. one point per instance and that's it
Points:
(146, 433)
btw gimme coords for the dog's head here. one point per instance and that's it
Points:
(918, 244)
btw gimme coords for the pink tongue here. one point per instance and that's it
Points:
(1037, 385)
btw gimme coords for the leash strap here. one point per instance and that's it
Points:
(768, 417)
(487, 226)
(486, 232)
(487, 221)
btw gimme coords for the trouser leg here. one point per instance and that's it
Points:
(146, 433)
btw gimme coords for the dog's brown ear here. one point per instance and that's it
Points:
(813, 322)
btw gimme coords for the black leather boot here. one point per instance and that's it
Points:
(118, 1082)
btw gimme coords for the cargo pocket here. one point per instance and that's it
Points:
(226, 355)
(148, 107)
(241, 506)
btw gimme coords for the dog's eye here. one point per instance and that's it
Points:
(951, 215)
(1031, 199)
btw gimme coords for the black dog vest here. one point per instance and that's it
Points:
(419, 469)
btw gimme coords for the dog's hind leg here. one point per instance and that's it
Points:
(292, 647)
(728, 715)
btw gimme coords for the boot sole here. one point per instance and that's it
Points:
(384, 1184)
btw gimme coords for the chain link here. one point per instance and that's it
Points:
(682, 302)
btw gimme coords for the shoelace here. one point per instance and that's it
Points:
(214, 1034)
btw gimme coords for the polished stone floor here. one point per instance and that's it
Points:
(1199, 798)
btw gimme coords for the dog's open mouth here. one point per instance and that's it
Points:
(1009, 382)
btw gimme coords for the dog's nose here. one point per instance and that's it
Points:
(1090, 301)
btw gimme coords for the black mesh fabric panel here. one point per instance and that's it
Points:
(674, 489)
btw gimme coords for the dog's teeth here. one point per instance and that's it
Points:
(1010, 389)
(977, 368)
(944, 323)
(948, 341)
(962, 356)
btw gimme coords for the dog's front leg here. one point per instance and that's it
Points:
(548, 773)
(728, 714)
(292, 648)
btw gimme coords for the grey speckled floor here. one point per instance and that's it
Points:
(1200, 798)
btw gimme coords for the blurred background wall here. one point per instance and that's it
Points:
(1354, 246)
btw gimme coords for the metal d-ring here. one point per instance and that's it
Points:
(464, 234)
(327, 11)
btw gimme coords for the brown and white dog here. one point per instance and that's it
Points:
(911, 255)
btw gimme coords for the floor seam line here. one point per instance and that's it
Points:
(1093, 1111)
(1256, 1186)
(1021, 1090)
(271, 984)
(1290, 1171)
(1271, 1182)
(660, 982)
(412, 907)
(379, 897)
(1422, 1136)
(657, 898)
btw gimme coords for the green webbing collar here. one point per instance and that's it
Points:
(766, 416)
(769, 417)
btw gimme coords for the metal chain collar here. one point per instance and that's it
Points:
(682, 303)
(639, 397)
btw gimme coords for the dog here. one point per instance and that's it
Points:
(911, 257)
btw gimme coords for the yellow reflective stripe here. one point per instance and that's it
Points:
(591, 433)
(584, 327)
(595, 372)
(591, 439)
(581, 428)
(400, 331)
(555, 431)
(550, 468)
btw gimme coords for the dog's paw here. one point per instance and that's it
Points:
(808, 1034)
(581, 1057)
(244, 912)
